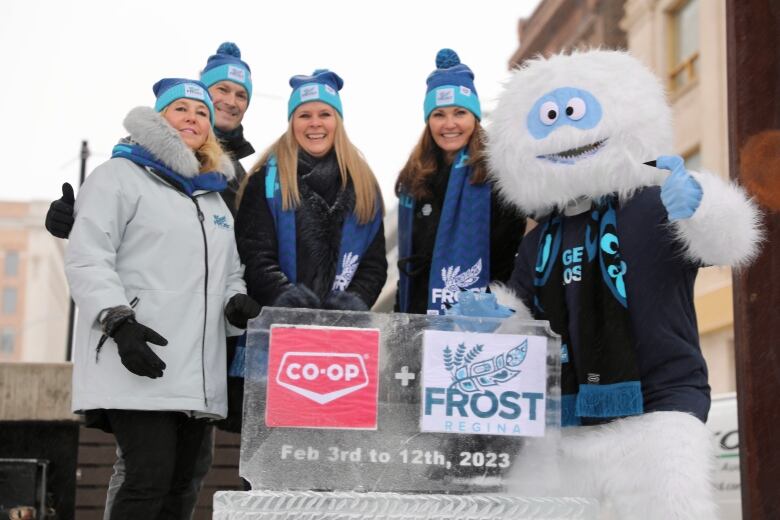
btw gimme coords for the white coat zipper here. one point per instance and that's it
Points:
(201, 218)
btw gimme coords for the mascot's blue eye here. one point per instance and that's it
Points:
(564, 106)
(548, 113)
(576, 108)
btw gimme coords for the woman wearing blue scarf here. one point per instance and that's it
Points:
(453, 232)
(309, 224)
(153, 267)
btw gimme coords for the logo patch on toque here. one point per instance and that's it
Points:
(445, 96)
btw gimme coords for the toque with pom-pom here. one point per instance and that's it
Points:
(322, 85)
(451, 84)
(226, 65)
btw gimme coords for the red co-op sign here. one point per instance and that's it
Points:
(322, 377)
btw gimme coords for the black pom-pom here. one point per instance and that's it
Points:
(447, 58)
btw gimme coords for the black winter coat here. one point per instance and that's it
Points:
(507, 226)
(238, 148)
(318, 224)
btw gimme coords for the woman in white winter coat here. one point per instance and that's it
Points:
(153, 267)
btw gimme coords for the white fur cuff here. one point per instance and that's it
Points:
(725, 229)
(506, 296)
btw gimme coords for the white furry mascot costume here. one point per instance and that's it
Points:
(612, 266)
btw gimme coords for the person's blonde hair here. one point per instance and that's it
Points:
(210, 154)
(352, 166)
(424, 162)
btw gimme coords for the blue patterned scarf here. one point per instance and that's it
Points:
(211, 181)
(461, 253)
(355, 237)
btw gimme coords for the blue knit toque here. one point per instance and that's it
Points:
(168, 90)
(226, 65)
(323, 85)
(451, 84)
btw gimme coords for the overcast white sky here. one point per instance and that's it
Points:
(72, 70)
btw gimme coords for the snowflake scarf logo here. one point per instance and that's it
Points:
(455, 281)
(349, 265)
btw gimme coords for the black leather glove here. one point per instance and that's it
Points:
(344, 301)
(240, 309)
(59, 218)
(298, 297)
(131, 338)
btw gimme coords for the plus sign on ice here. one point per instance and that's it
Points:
(404, 376)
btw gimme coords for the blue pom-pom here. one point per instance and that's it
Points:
(229, 48)
(447, 58)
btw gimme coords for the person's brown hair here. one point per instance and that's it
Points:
(424, 161)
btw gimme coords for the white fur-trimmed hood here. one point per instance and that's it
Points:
(149, 129)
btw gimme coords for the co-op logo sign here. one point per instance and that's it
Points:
(322, 377)
(493, 384)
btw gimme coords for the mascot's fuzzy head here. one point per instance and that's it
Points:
(578, 126)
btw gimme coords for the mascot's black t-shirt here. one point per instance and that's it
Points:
(659, 286)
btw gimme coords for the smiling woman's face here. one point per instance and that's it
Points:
(451, 127)
(314, 127)
(190, 119)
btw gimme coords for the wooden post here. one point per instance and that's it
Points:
(753, 42)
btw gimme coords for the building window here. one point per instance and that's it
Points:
(7, 340)
(9, 300)
(685, 44)
(11, 267)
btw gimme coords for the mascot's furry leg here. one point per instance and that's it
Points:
(656, 466)
(653, 466)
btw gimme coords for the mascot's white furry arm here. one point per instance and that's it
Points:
(579, 142)
(724, 228)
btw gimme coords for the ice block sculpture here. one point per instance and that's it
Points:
(358, 401)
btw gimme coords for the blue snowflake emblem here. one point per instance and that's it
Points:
(221, 221)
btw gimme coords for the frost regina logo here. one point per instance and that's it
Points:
(491, 384)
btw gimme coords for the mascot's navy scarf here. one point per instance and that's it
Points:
(600, 380)
(355, 237)
(212, 181)
(461, 253)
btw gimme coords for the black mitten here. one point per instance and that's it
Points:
(240, 309)
(59, 218)
(136, 356)
(298, 297)
(344, 301)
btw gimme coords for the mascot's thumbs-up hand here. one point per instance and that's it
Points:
(680, 193)
(715, 220)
